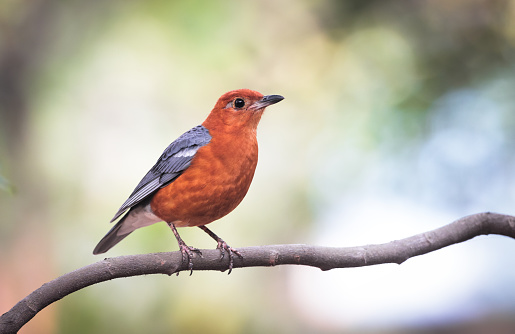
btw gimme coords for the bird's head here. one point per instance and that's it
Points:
(239, 109)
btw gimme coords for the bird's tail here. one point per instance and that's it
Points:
(138, 216)
(112, 237)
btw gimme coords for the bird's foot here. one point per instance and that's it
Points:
(224, 247)
(187, 255)
(187, 251)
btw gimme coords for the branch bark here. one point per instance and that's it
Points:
(324, 258)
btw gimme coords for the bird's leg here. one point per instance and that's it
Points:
(223, 246)
(187, 251)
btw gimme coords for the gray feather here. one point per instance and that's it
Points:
(175, 159)
(138, 216)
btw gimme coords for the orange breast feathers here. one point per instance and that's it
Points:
(217, 180)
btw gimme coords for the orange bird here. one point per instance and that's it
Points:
(200, 177)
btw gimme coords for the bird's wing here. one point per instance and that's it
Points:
(172, 163)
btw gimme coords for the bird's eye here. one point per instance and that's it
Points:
(239, 103)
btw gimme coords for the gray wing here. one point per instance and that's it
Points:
(175, 159)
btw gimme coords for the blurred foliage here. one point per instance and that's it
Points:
(5, 185)
(408, 99)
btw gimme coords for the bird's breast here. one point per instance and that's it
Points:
(213, 185)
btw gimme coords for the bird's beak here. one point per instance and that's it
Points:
(266, 101)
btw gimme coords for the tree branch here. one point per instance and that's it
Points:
(324, 258)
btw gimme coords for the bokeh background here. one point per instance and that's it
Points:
(399, 117)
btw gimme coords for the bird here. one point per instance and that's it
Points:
(200, 177)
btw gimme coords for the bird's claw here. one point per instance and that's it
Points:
(187, 255)
(223, 247)
(187, 251)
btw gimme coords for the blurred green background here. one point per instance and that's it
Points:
(399, 117)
